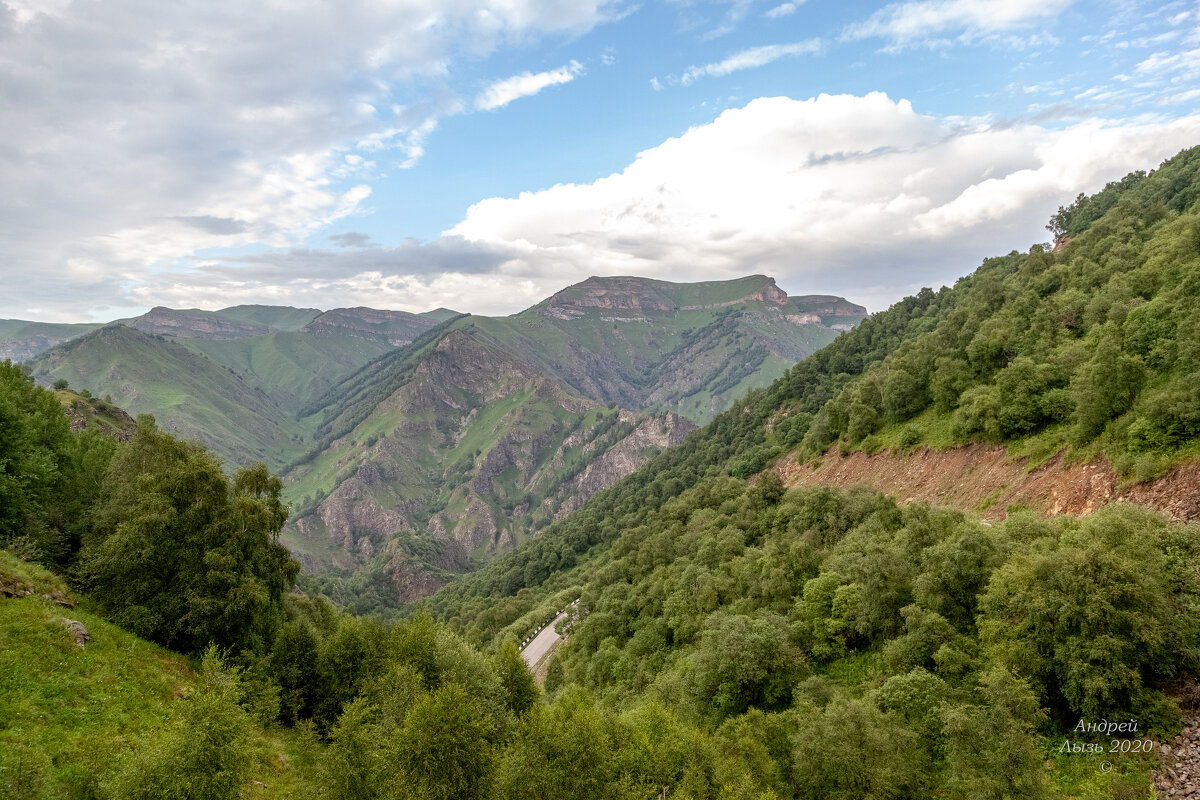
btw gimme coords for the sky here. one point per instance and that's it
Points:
(482, 154)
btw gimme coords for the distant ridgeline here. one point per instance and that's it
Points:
(414, 446)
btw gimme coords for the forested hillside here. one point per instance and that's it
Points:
(1091, 348)
(745, 641)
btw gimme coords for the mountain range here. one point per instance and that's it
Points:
(414, 446)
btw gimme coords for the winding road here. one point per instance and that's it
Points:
(541, 644)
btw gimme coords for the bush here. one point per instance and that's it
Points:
(1092, 620)
(203, 755)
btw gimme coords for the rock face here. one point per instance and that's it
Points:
(627, 456)
(193, 324)
(79, 634)
(472, 451)
(1178, 774)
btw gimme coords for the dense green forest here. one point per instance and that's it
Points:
(732, 638)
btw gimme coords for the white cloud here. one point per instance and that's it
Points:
(782, 10)
(501, 93)
(835, 193)
(1179, 66)
(137, 132)
(923, 21)
(751, 58)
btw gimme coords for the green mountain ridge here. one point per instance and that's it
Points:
(193, 395)
(422, 444)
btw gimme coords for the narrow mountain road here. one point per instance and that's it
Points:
(542, 643)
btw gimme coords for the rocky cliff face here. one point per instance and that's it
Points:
(651, 436)
(836, 312)
(643, 295)
(191, 324)
(475, 451)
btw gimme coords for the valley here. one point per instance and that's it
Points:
(416, 446)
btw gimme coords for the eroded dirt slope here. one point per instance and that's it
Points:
(984, 479)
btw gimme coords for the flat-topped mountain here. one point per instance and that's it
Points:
(689, 348)
(627, 293)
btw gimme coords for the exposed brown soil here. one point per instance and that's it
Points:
(985, 480)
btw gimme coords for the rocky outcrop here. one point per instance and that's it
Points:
(193, 324)
(834, 312)
(1178, 772)
(627, 456)
(355, 521)
(78, 633)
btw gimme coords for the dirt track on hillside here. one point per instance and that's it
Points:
(985, 480)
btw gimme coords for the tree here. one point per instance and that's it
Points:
(1105, 387)
(851, 750)
(444, 750)
(181, 555)
(560, 752)
(36, 454)
(991, 753)
(1089, 620)
(744, 661)
(520, 690)
(293, 664)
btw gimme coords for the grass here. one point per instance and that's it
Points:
(68, 715)
(79, 707)
(855, 673)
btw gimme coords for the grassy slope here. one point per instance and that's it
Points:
(292, 367)
(279, 318)
(86, 708)
(188, 394)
